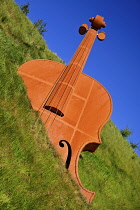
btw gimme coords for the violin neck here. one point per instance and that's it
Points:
(77, 63)
(80, 57)
(63, 89)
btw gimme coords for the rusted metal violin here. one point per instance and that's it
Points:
(73, 106)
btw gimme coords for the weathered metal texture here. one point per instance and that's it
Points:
(73, 106)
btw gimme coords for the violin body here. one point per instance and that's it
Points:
(76, 107)
(87, 111)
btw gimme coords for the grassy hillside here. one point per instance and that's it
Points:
(32, 173)
(113, 172)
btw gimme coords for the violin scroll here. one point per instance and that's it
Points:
(97, 22)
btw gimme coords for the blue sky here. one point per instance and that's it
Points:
(115, 62)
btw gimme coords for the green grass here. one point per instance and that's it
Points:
(113, 172)
(32, 174)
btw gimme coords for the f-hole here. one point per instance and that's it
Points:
(61, 144)
(54, 110)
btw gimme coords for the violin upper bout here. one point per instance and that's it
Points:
(39, 77)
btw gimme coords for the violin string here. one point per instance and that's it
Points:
(48, 96)
(57, 92)
(52, 91)
(72, 75)
(61, 75)
(76, 77)
(60, 87)
(78, 72)
(57, 81)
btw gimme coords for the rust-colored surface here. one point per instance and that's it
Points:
(101, 36)
(73, 106)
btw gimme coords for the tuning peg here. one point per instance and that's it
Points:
(101, 36)
(83, 29)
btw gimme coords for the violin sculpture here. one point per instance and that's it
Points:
(73, 106)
